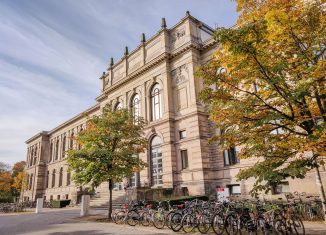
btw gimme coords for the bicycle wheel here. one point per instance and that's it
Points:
(263, 227)
(231, 224)
(218, 224)
(176, 222)
(189, 223)
(158, 220)
(113, 216)
(297, 226)
(145, 219)
(204, 223)
(132, 218)
(250, 228)
(168, 218)
(119, 217)
(279, 227)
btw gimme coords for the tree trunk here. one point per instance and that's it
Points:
(321, 191)
(110, 200)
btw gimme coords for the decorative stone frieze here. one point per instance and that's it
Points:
(180, 74)
(178, 34)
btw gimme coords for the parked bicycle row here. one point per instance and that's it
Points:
(21, 206)
(242, 217)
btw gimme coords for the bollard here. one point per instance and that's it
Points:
(39, 205)
(84, 208)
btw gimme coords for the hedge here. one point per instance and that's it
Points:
(60, 203)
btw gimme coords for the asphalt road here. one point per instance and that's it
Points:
(64, 222)
(68, 222)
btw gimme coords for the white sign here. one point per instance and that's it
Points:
(223, 194)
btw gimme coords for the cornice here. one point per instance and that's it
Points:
(40, 134)
(164, 56)
(79, 116)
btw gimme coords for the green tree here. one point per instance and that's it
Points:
(109, 144)
(265, 87)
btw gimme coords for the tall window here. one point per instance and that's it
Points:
(230, 156)
(135, 106)
(71, 142)
(57, 150)
(30, 182)
(32, 156)
(134, 181)
(51, 152)
(35, 156)
(68, 178)
(156, 160)
(64, 139)
(184, 159)
(53, 178)
(60, 177)
(47, 179)
(156, 106)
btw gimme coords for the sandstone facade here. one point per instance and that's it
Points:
(160, 73)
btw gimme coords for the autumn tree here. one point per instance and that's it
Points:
(5, 182)
(265, 87)
(18, 167)
(109, 148)
(20, 181)
(18, 178)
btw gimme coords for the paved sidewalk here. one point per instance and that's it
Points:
(66, 221)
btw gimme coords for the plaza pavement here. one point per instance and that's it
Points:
(66, 221)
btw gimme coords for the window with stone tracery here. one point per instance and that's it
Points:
(156, 103)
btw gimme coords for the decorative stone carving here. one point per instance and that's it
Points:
(180, 74)
(179, 33)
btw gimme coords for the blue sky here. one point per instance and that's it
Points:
(52, 53)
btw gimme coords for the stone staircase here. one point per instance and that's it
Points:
(101, 201)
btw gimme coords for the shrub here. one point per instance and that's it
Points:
(60, 203)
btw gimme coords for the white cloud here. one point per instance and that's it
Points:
(52, 53)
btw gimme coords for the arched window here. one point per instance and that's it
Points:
(156, 160)
(135, 106)
(156, 104)
(51, 151)
(118, 106)
(53, 178)
(64, 146)
(57, 150)
(68, 178)
(60, 177)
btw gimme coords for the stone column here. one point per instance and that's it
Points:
(39, 205)
(84, 208)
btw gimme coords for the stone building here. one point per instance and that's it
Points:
(156, 80)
